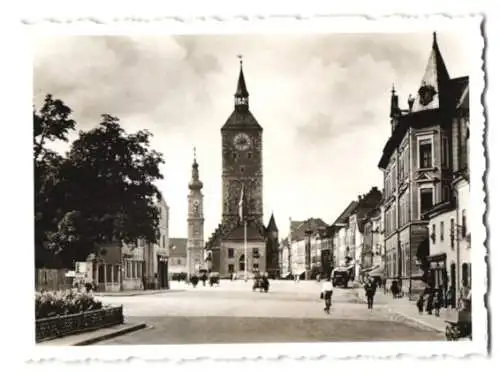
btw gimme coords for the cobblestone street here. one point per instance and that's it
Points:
(232, 313)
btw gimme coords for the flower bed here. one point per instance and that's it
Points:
(57, 303)
(60, 314)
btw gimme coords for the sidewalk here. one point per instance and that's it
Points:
(95, 336)
(407, 311)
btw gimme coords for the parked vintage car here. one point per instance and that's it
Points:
(261, 284)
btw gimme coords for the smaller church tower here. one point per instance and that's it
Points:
(195, 221)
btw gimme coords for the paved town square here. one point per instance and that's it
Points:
(352, 224)
(232, 313)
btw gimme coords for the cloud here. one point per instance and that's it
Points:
(323, 101)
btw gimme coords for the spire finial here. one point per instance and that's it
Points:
(194, 153)
(393, 90)
(434, 37)
(240, 57)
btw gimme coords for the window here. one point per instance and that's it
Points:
(425, 151)
(446, 193)
(426, 200)
(441, 230)
(464, 223)
(393, 177)
(255, 253)
(452, 233)
(179, 261)
(249, 155)
(235, 155)
(230, 253)
(242, 263)
(242, 169)
(256, 266)
(230, 268)
(433, 234)
(444, 152)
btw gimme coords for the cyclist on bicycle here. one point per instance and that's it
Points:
(326, 293)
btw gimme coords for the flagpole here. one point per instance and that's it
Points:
(245, 248)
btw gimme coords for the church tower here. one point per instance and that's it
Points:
(195, 220)
(242, 161)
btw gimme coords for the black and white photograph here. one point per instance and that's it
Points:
(244, 188)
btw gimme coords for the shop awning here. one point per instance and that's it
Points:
(378, 271)
(343, 268)
(369, 269)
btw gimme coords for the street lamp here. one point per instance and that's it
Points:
(308, 233)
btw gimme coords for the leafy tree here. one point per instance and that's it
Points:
(101, 191)
(107, 181)
(50, 123)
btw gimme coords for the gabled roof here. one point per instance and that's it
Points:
(344, 217)
(311, 224)
(238, 234)
(459, 92)
(177, 247)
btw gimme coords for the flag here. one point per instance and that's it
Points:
(240, 204)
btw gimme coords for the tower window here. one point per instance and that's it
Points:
(426, 200)
(230, 268)
(235, 155)
(249, 155)
(242, 169)
(425, 151)
(230, 253)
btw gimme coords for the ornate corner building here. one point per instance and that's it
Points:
(242, 180)
(418, 166)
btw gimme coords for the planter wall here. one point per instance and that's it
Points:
(60, 326)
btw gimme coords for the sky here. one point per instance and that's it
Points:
(323, 102)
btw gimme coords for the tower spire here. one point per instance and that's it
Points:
(241, 95)
(195, 183)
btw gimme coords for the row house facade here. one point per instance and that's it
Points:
(417, 168)
(343, 254)
(373, 256)
(348, 232)
(135, 266)
(303, 250)
(449, 232)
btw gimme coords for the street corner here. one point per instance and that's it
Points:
(96, 336)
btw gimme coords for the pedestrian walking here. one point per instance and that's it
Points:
(326, 294)
(370, 289)
(394, 289)
(438, 301)
(420, 303)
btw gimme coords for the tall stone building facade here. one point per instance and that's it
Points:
(195, 246)
(242, 182)
(417, 168)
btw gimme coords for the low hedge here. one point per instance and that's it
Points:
(58, 303)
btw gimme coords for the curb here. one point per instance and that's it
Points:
(418, 322)
(105, 337)
(103, 294)
(407, 318)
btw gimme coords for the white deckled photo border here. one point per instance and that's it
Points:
(295, 25)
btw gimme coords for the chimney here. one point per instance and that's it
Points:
(411, 100)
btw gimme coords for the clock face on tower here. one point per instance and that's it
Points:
(242, 141)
